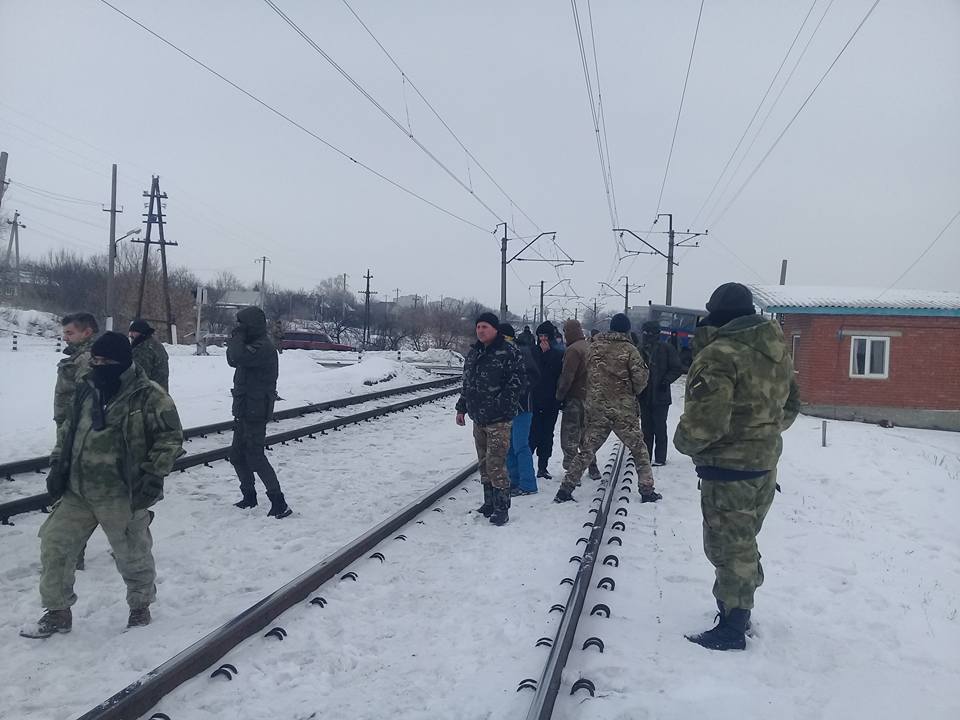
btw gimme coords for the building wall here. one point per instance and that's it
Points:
(924, 366)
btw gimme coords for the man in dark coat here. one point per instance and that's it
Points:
(546, 408)
(525, 338)
(250, 351)
(493, 380)
(664, 363)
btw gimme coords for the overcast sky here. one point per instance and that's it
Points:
(858, 186)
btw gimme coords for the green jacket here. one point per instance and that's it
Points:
(741, 395)
(150, 354)
(133, 452)
(616, 373)
(75, 363)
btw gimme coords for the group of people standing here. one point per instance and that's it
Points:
(118, 434)
(740, 397)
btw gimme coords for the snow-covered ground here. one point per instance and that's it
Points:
(200, 385)
(858, 617)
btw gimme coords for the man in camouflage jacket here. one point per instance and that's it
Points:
(493, 380)
(741, 395)
(615, 376)
(149, 353)
(118, 442)
(79, 330)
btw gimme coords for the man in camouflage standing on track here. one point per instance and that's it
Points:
(741, 395)
(79, 330)
(572, 395)
(117, 443)
(493, 378)
(615, 376)
(149, 353)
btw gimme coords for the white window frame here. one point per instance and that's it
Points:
(886, 357)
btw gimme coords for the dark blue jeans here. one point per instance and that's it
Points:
(520, 457)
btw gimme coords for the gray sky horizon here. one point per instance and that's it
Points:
(858, 186)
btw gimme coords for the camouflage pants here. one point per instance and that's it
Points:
(573, 426)
(493, 443)
(622, 422)
(65, 532)
(733, 513)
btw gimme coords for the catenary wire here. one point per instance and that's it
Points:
(922, 254)
(756, 112)
(796, 114)
(51, 195)
(291, 121)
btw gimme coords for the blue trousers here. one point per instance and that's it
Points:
(520, 457)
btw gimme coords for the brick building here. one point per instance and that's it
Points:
(873, 355)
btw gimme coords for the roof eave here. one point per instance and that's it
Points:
(900, 312)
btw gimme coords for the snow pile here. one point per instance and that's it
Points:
(29, 322)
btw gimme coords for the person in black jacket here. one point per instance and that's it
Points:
(664, 363)
(546, 408)
(493, 381)
(251, 352)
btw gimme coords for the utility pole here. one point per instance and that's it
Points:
(3, 175)
(263, 260)
(626, 294)
(154, 216)
(783, 272)
(14, 244)
(397, 291)
(366, 308)
(672, 244)
(542, 318)
(343, 304)
(112, 249)
(504, 262)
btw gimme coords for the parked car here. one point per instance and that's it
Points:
(304, 340)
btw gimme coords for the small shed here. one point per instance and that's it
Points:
(871, 354)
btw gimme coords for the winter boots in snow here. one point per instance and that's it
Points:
(278, 506)
(249, 500)
(563, 495)
(501, 507)
(593, 471)
(729, 634)
(544, 473)
(650, 495)
(487, 508)
(52, 622)
(139, 617)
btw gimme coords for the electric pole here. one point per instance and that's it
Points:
(783, 272)
(112, 249)
(504, 262)
(3, 175)
(154, 216)
(542, 318)
(672, 244)
(263, 260)
(366, 308)
(14, 244)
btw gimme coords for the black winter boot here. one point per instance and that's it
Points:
(720, 612)
(563, 495)
(594, 472)
(278, 506)
(139, 617)
(487, 508)
(249, 500)
(728, 634)
(544, 473)
(501, 507)
(650, 495)
(52, 622)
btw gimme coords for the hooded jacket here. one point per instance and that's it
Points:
(665, 367)
(573, 376)
(493, 381)
(741, 395)
(550, 364)
(70, 368)
(616, 373)
(250, 351)
(130, 455)
(150, 354)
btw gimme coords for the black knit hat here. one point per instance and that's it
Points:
(113, 346)
(620, 323)
(506, 329)
(728, 302)
(547, 328)
(650, 327)
(489, 318)
(141, 326)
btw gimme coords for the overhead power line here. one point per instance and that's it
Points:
(796, 114)
(363, 91)
(922, 254)
(408, 81)
(291, 121)
(51, 195)
(756, 112)
(683, 94)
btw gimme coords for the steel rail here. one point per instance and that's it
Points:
(138, 698)
(548, 686)
(38, 464)
(33, 503)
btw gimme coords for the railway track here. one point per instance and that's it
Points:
(41, 501)
(608, 509)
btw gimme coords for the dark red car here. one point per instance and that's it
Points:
(303, 340)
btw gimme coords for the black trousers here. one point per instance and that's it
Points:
(653, 422)
(541, 433)
(247, 456)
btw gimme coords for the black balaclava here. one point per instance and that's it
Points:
(106, 378)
